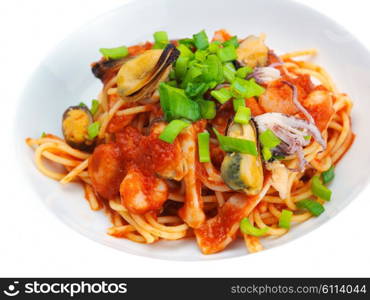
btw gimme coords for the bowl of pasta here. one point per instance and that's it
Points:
(228, 135)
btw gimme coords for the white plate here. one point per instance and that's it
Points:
(64, 78)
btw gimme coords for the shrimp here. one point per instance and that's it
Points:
(218, 232)
(319, 104)
(192, 211)
(172, 165)
(105, 170)
(278, 98)
(141, 193)
(279, 95)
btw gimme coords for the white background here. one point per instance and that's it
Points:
(34, 243)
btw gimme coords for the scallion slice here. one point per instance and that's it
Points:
(320, 190)
(231, 144)
(285, 218)
(328, 175)
(93, 130)
(238, 102)
(185, 51)
(181, 66)
(160, 39)
(269, 139)
(246, 88)
(114, 53)
(207, 109)
(214, 46)
(243, 115)
(244, 72)
(266, 153)
(222, 95)
(247, 228)
(201, 40)
(212, 69)
(94, 106)
(233, 41)
(172, 130)
(227, 53)
(175, 104)
(313, 207)
(203, 147)
(229, 72)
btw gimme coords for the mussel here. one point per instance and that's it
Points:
(75, 124)
(253, 52)
(106, 69)
(138, 78)
(243, 171)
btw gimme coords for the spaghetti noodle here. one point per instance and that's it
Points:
(152, 189)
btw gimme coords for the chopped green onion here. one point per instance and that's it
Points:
(194, 89)
(213, 69)
(313, 207)
(185, 51)
(172, 75)
(43, 134)
(175, 104)
(269, 139)
(160, 39)
(238, 102)
(229, 72)
(201, 55)
(307, 137)
(227, 53)
(193, 73)
(244, 72)
(214, 46)
(172, 130)
(172, 83)
(222, 95)
(247, 228)
(203, 147)
(285, 218)
(243, 115)
(114, 53)
(187, 42)
(201, 40)
(254, 89)
(94, 106)
(207, 109)
(246, 88)
(266, 153)
(320, 190)
(328, 175)
(231, 144)
(82, 104)
(93, 130)
(233, 41)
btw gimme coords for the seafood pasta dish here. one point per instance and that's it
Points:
(209, 139)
